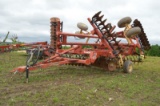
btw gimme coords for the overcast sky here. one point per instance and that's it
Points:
(30, 19)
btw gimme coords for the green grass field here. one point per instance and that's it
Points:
(79, 86)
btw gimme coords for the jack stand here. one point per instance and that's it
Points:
(27, 73)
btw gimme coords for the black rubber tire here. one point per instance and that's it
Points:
(127, 66)
(124, 21)
(133, 31)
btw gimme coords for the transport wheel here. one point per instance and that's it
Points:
(111, 66)
(77, 32)
(80, 37)
(133, 31)
(127, 67)
(82, 26)
(124, 21)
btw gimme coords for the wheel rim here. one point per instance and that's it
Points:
(111, 66)
(130, 68)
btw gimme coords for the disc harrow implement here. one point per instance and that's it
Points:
(101, 47)
(143, 38)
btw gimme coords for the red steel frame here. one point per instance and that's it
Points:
(103, 48)
(10, 47)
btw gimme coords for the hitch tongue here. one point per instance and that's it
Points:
(19, 69)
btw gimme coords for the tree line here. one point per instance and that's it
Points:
(154, 51)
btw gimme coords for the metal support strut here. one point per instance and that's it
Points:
(27, 74)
